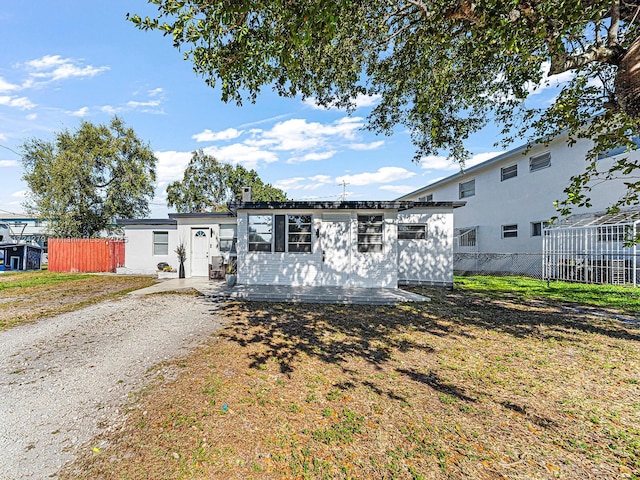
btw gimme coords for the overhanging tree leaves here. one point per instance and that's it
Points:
(83, 180)
(208, 185)
(443, 68)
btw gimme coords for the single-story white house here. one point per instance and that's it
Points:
(349, 243)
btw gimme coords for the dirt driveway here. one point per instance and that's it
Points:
(63, 379)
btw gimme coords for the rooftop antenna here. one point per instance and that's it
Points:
(344, 190)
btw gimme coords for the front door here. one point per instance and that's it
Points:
(336, 253)
(200, 252)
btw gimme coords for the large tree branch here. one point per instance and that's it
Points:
(595, 53)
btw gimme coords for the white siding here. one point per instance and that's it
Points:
(430, 261)
(366, 269)
(139, 257)
(521, 200)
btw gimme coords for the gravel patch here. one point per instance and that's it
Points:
(66, 379)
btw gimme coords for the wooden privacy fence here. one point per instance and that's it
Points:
(85, 254)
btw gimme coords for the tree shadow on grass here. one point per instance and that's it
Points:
(338, 334)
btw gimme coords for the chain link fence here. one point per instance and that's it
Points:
(475, 263)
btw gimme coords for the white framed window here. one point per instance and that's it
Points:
(370, 233)
(467, 237)
(280, 233)
(467, 189)
(161, 243)
(613, 233)
(227, 238)
(508, 172)
(299, 233)
(429, 198)
(620, 150)
(412, 231)
(510, 231)
(260, 233)
(539, 162)
(537, 227)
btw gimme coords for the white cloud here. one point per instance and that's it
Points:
(3, 137)
(149, 103)
(324, 179)
(314, 156)
(108, 109)
(304, 183)
(81, 112)
(300, 135)
(155, 92)
(54, 67)
(23, 103)
(19, 194)
(290, 183)
(383, 175)
(6, 86)
(366, 146)
(32, 116)
(401, 189)
(8, 163)
(246, 155)
(209, 136)
(443, 163)
(171, 165)
(360, 101)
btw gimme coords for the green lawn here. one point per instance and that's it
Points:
(621, 298)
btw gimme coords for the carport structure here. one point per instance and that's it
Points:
(593, 248)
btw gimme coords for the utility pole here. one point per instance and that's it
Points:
(344, 190)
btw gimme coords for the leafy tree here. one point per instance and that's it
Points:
(442, 68)
(83, 180)
(208, 185)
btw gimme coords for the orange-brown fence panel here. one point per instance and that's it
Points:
(85, 254)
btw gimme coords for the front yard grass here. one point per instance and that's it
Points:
(28, 296)
(471, 385)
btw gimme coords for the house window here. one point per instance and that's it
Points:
(510, 231)
(508, 172)
(537, 227)
(467, 237)
(412, 231)
(619, 150)
(260, 233)
(467, 189)
(429, 198)
(227, 238)
(370, 233)
(280, 233)
(299, 233)
(161, 243)
(539, 162)
(611, 233)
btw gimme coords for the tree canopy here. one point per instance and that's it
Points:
(84, 180)
(442, 68)
(208, 185)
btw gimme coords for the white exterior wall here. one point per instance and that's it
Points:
(185, 227)
(521, 200)
(430, 261)
(139, 257)
(275, 268)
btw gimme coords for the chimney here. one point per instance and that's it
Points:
(246, 194)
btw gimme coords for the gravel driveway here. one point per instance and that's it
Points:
(64, 379)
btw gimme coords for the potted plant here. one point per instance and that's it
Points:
(231, 275)
(181, 251)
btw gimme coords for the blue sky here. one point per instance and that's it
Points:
(69, 60)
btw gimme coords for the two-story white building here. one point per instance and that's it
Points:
(510, 198)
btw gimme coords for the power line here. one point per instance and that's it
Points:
(11, 150)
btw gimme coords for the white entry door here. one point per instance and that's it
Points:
(336, 253)
(200, 252)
